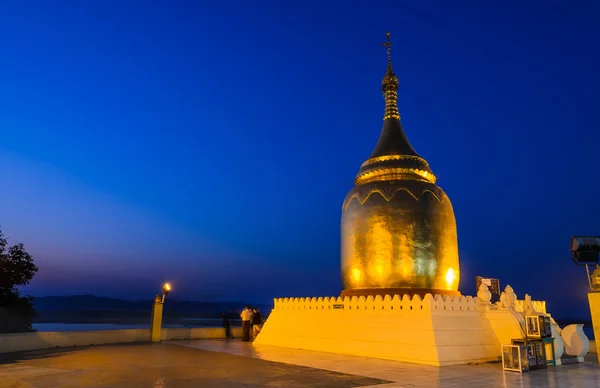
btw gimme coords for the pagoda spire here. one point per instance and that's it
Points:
(393, 158)
(389, 85)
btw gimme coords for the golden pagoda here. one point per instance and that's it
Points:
(398, 231)
(401, 273)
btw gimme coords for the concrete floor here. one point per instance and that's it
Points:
(224, 364)
(159, 366)
(404, 375)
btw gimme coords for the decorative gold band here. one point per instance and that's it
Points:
(394, 157)
(395, 174)
(391, 105)
(388, 194)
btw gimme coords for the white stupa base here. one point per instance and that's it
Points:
(434, 330)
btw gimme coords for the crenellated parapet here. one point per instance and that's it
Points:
(509, 301)
(437, 304)
(539, 306)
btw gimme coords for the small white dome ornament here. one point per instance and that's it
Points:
(484, 294)
(528, 306)
(509, 297)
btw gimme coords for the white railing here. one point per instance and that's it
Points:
(405, 303)
(538, 305)
(19, 342)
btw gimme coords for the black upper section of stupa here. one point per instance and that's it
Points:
(392, 140)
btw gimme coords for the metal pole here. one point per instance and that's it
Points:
(587, 270)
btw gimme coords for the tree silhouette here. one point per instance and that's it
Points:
(16, 270)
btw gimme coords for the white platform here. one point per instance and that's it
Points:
(434, 330)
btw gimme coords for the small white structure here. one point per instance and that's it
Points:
(576, 343)
(433, 330)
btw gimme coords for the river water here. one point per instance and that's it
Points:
(60, 326)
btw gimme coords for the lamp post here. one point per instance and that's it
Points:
(157, 311)
(585, 251)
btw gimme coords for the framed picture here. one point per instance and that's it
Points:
(547, 327)
(528, 352)
(514, 358)
(540, 354)
(532, 326)
(542, 326)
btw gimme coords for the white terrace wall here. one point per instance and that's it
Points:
(198, 333)
(45, 340)
(19, 342)
(434, 330)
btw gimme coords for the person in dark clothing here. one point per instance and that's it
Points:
(226, 325)
(246, 316)
(257, 322)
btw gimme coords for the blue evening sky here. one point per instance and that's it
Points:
(212, 143)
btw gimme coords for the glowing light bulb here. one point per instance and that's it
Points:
(450, 277)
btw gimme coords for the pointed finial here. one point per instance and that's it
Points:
(389, 85)
(388, 44)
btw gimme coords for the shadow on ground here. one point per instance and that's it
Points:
(161, 365)
(8, 358)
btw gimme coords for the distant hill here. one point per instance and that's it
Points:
(90, 308)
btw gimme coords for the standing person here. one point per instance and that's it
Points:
(246, 316)
(226, 325)
(257, 323)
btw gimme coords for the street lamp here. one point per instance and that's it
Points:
(585, 251)
(157, 311)
(166, 289)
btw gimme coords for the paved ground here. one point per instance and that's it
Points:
(159, 366)
(224, 364)
(403, 375)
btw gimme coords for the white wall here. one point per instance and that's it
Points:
(433, 330)
(46, 340)
(198, 333)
